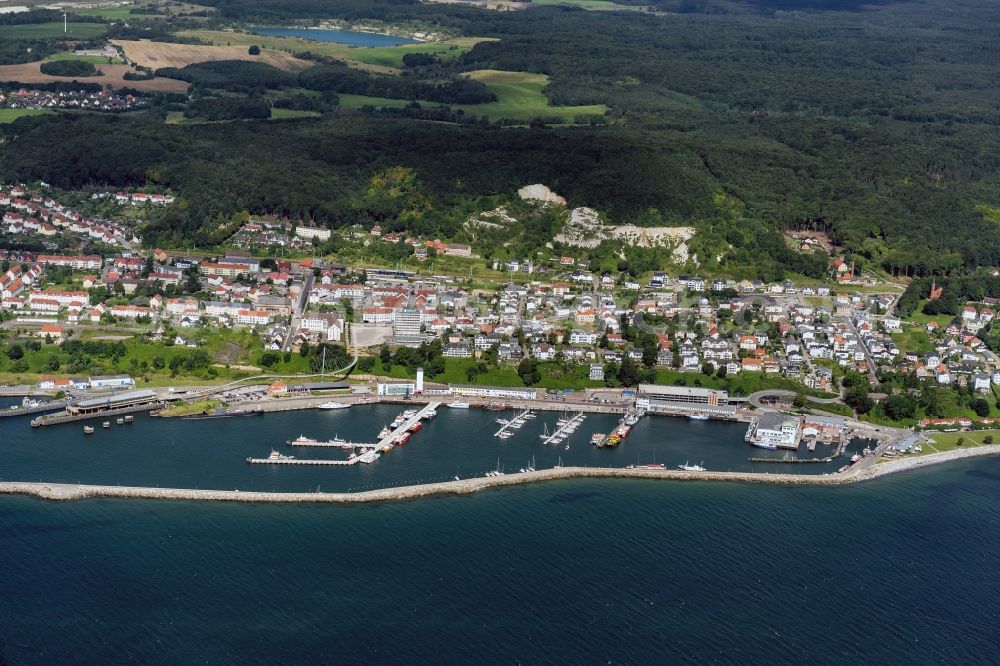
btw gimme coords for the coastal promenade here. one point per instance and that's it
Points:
(60, 492)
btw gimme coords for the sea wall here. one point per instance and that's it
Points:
(59, 492)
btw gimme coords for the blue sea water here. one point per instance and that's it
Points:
(902, 570)
(339, 36)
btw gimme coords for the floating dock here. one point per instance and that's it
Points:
(389, 440)
(565, 429)
(331, 444)
(514, 424)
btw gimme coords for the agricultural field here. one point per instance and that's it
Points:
(52, 30)
(113, 76)
(124, 13)
(593, 5)
(163, 54)
(10, 115)
(382, 59)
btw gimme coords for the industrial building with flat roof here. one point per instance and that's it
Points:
(689, 394)
(654, 398)
(119, 401)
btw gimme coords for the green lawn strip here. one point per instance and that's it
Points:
(10, 115)
(52, 30)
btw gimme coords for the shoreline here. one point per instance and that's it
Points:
(65, 492)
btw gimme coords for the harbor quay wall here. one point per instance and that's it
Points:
(60, 492)
(66, 417)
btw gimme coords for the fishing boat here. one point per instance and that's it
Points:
(698, 417)
(120, 421)
(631, 419)
(597, 439)
(458, 405)
(385, 432)
(495, 406)
(430, 414)
(416, 426)
(129, 419)
(403, 439)
(333, 405)
(88, 430)
(690, 468)
(106, 424)
(302, 440)
(652, 466)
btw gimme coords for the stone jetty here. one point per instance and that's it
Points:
(56, 491)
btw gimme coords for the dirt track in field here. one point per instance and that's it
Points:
(163, 54)
(30, 73)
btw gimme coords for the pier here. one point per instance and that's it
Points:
(368, 457)
(389, 440)
(515, 423)
(331, 444)
(66, 417)
(565, 429)
(52, 406)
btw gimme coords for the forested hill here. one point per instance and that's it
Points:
(879, 123)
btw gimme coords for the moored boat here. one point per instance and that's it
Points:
(333, 405)
(690, 468)
(106, 424)
(120, 421)
(698, 417)
(276, 456)
(88, 430)
(459, 405)
(385, 432)
(129, 419)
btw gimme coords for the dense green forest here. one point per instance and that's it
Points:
(878, 123)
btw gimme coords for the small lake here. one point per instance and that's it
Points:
(339, 36)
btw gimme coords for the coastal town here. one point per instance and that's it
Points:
(798, 363)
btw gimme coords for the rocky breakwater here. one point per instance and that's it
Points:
(57, 492)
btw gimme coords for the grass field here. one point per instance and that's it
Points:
(386, 57)
(358, 101)
(286, 114)
(10, 115)
(519, 97)
(51, 30)
(948, 441)
(97, 60)
(913, 338)
(114, 13)
(921, 319)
